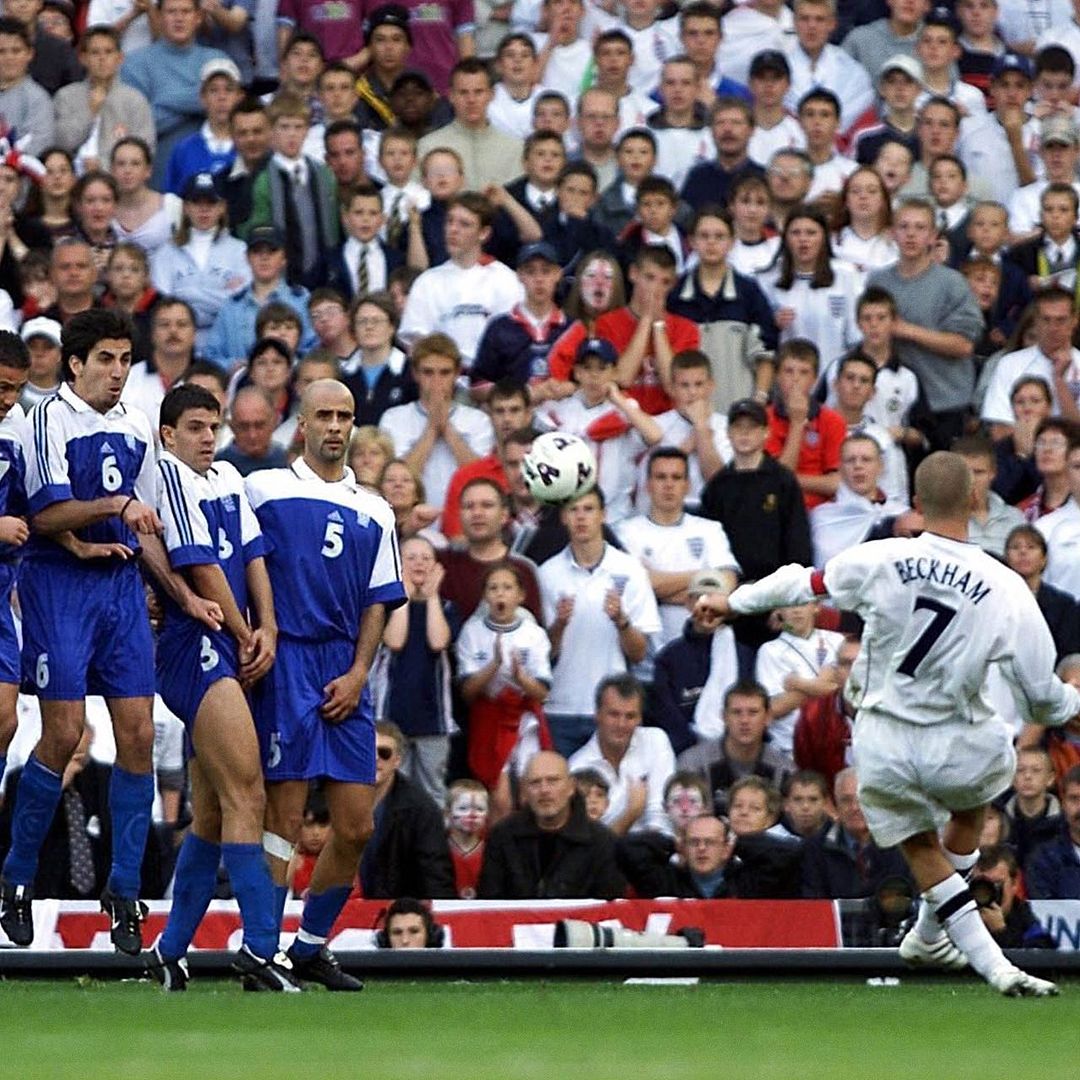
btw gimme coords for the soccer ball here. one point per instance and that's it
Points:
(559, 467)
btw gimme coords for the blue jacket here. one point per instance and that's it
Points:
(709, 182)
(508, 350)
(679, 675)
(233, 332)
(193, 155)
(1053, 872)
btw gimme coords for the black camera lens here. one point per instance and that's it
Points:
(985, 892)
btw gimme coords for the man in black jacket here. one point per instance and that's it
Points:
(408, 854)
(550, 850)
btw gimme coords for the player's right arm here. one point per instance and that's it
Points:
(790, 585)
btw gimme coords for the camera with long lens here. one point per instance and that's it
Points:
(578, 934)
(985, 893)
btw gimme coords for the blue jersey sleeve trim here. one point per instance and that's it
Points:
(177, 503)
(254, 549)
(392, 595)
(49, 494)
(193, 555)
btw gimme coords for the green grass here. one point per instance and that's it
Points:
(538, 1031)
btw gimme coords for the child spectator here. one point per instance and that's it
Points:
(572, 230)
(987, 231)
(799, 665)
(504, 664)
(364, 262)
(377, 373)
(819, 115)
(756, 246)
(1055, 73)
(1053, 255)
(594, 790)
(899, 84)
(894, 163)
(984, 279)
(1033, 811)
(314, 834)
(657, 205)
(949, 191)
(467, 807)
(635, 153)
(42, 337)
(938, 51)
(419, 636)
(518, 87)
(401, 195)
(543, 159)
(803, 435)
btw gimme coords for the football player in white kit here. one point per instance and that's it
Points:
(929, 750)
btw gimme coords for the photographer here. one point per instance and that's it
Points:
(1008, 918)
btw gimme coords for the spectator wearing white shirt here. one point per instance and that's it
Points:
(653, 39)
(860, 507)
(515, 94)
(751, 29)
(672, 544)
(461, 295)
(1059, 151)
(680, 126)
(435, 435)
(937, 49)
(564, 53)
(814, 62)
(1061, 528)
(774, 127)
(613, 57)
(636, 761)
(819, 116)
(599, 609)
(864, 238)
(1052, 358)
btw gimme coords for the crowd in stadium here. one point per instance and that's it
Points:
(762, 258)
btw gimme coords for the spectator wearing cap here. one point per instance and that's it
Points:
(442, 34)
(815, 62)
(25, 107)
(489, 155)
(899, 83)
(54, 64)
(616, 428)
(673, 545)
(1059, 150)
(168, 73)
(938, 50)
(233, 333)
(738, 331)
(758, 501)
(459, 297)
(338, 27)
(389, 43)
(999, 146)
(42, 337)
(876, 42)
(732, 124)
(515, 346)
(774, 127)
(210, 149)
(202, 264)
(94, 114)
(298, 194)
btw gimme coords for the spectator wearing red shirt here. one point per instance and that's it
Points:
(510, 411)
(644, 332)
(338, 27)
(822, 740)
(803, 435)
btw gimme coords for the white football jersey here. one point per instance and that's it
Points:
(938, 613)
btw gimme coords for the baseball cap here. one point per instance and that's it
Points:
(266, 235)
(770, 62)
(1011, 61)
(201, 185)
(41, 327)
(539, 250)
(902, 62)
(749, 408)
(597, 347)
(942, 16)
(411, 76)
(1059, 130)
(220, 65)
(390, 15)
(705, 581)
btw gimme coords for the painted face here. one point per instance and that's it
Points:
(683, 804)
(468, 812)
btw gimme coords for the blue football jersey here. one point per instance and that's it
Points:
(208, 519)
(75, 452)
(13, 434)
(331, 549)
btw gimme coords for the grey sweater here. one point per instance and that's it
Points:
(29, 110)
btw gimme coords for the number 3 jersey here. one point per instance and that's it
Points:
(331, 551)
(207, 520)
(938, 613)
(76, 452)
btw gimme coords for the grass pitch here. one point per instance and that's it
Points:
(837, 1028)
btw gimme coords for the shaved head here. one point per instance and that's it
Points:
(325, 392)
(546, 760)
(943, 486)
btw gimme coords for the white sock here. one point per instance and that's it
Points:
(954, 907)
(927, 924)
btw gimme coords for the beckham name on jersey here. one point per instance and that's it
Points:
(925, 569)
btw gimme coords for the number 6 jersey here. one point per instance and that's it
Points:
(331, 550)
(938, 613)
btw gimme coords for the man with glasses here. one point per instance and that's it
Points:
(335, 570)
(597, 124)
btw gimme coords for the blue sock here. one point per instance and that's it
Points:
(193, 889)
(281, 894)
(131, 801)
(320, 911)
(255, 895)
(36, 802)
